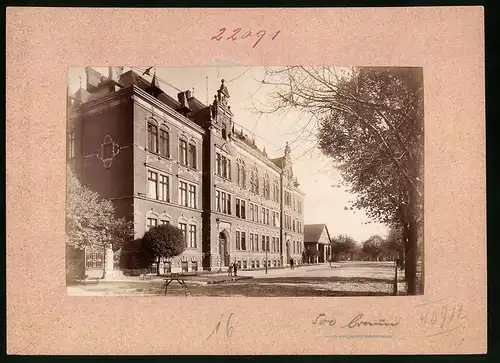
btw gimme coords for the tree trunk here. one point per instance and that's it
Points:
(158, 267)
(411, 258)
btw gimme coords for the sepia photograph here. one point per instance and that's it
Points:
(286, 181)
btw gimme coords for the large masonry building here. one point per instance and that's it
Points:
(179, 161)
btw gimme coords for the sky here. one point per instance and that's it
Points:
(324, 200)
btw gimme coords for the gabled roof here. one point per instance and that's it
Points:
(312, 232)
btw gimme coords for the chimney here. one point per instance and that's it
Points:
(181, 96)
(115, 73)
(183, 100)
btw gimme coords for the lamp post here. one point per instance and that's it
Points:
(286, 261)
(267, 247)
(330, 253)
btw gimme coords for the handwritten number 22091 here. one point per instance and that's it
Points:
(248, 34)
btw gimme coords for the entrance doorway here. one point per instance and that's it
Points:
(223, 249)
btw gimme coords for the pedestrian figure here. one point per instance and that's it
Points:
(291, 263)
(235, 269)
(230, 270)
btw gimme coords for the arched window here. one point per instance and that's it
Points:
(224, 131)
(266, 191)
(192, 155)
(164, 148)
(183, 152)
(240, 173)
(254, 180)
(276, 191)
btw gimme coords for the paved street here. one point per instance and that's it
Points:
(341, 279)
(373, 270)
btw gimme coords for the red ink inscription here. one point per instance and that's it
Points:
(236, 35)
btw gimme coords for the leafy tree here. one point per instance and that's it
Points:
(343, 244)
(164, 241)
(91, 221)
(374, 247)
(394, 243)
(370, 122)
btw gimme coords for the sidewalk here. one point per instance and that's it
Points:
(202, 279)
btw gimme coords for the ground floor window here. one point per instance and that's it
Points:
(244, 264)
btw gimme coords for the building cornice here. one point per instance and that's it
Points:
(131, 91)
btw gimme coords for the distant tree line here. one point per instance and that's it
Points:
(374, 248)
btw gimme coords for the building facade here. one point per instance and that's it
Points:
(165, 160)
(317, 243)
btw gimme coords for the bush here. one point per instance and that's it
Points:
(134, 256)
(75, 264)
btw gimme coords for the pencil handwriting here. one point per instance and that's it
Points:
(227, 332)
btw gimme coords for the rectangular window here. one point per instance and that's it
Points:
(164, 143)
(152, 222)
(164, 194)
(293, 225)
(152, 138)
(192, 236)
(267, 243)
(183, 152)
(192, 196)
(192, 156)
(183, 194)
(257, 247)
(224, 202)
(163, 222)
(263, 243)
(183, 227)
(251, 242)
(238, 204)
(152, 185)
(267, 216)
(71, 145)
(217, 201)
(238, 242)
(218, 163)
(224, 167)
(243, 241)
(229, 169)
(251, 212)
(243, 214)
(228, 204)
